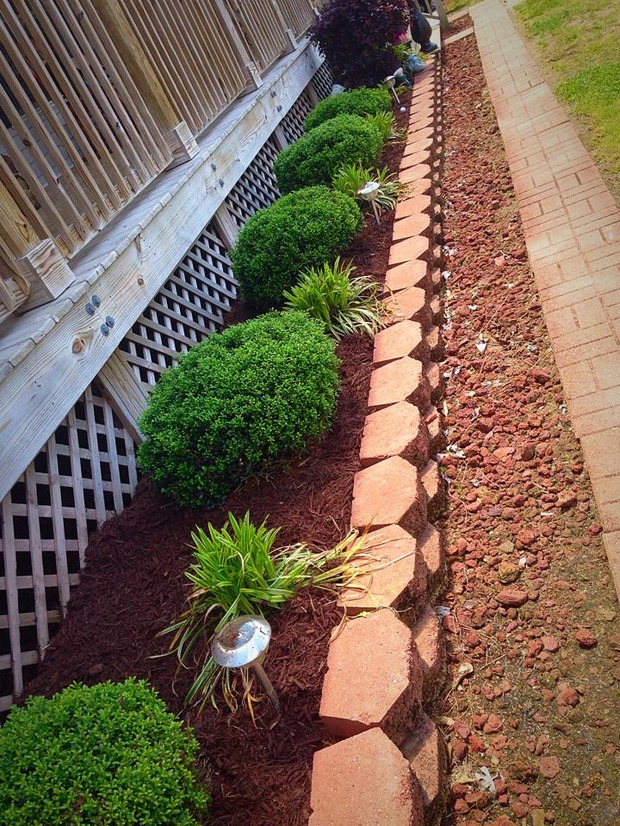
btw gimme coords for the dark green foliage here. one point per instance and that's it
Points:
(361, 102)
(355, 38)
(106, 755)
(236, 400)
(317, 156)
(303, 229)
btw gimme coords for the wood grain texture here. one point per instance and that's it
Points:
(33, 401)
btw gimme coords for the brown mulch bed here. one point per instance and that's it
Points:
(531, 598)
(134, 586)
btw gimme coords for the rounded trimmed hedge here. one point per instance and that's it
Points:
(104, 755)
(238, 399)
(317, 156)
(304, 229)
(363, 101)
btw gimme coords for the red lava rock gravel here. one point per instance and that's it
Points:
(532, 605)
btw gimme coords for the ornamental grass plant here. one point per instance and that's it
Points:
(238, 571)
(350, 179)
(385, 122)
(341, 303)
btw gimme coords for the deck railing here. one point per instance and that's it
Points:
(97, 98)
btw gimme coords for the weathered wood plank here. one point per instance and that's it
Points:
(60, 546)
(10, 584)
(131, 263)
(36, 560)
(124, 392)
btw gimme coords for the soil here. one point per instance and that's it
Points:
(134, 586)
(532, 635)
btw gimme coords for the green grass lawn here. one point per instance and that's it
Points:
(578, 44)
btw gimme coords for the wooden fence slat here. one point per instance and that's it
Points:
(83, 56)
(91, 105)
(60, 548)
(36, 560)
(156, 110)
(12, 594)
(78, 490)
(72, 87)
(53, 218)
(150, 140)
(94, 126)
(93, 446)
(33, 90)
(184, 39)
(119, 387)
(24, 583)
(27, 658)
(55, 180)
(166, 70)
(113, 459)
(28, 619)
(222, 61)
(132, 468)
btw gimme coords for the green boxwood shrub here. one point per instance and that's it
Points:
(361, 102)
(106, 755)
(300, 230)
(319, 154)
(236, 400)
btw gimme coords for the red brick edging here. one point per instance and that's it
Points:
(386, 663)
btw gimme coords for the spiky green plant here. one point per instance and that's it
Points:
(342, 303)
(350, 179)
(236, 571)
(385, 122)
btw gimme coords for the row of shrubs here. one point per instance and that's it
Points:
(267, 386)
(310, 224)
(111, 754)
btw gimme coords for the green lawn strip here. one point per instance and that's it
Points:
(577, 44)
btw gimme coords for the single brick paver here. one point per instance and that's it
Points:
(389, 493)
(395, 430)
(391, 573)
(403, 338)
(572, 230)
(372, 679)
(425, 751)
(364, 781)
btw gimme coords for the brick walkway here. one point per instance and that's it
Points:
(572, 229)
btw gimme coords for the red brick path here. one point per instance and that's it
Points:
(572, 230)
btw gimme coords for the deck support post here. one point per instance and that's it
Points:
(40, 271)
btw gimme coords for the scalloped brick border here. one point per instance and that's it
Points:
(387, 665)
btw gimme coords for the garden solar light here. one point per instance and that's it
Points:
(241, 643)
(369, 192)
(390, 82)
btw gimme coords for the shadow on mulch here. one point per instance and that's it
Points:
(134, 586)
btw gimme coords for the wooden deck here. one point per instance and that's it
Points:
(51, 354)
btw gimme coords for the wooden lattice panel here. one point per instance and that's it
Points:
(323, 81)
(293, 122)
(189, 306)
(257, 187)
(84, 473)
